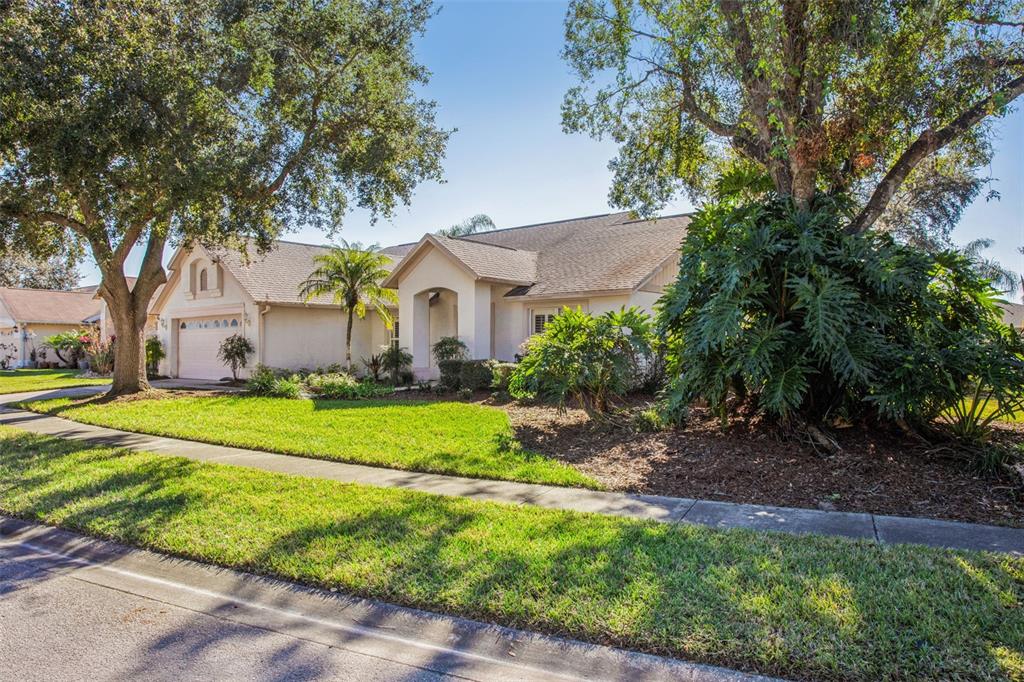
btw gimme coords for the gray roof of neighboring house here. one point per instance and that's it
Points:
(488, 261)
(1013, 314)
(277, 275)
(611, 252)
(48, 306)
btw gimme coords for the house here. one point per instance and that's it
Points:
(1013, 314)
(28, 317)
(493, 290)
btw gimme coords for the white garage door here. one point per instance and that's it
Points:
(199, 338)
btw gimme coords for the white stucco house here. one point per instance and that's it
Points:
(492, 290)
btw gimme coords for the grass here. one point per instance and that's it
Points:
(22, 380)
(805, 607)
(439, 437)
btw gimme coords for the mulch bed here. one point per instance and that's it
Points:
(879, 472)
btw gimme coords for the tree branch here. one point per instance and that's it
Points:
(929, 142)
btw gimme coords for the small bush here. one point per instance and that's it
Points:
(262, 380)
(451, 370)
(333, 386)
(648, 421)
(449, 348)
(287, 387)
(406, 377)
(374, 365)
(397, 362)
(476, 375)
(465, 394)
(234, 352)
(154, 354)
(501, 372)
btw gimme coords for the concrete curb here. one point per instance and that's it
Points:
(863, 526)
(443, 644)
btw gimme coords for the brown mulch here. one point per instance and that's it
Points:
(878, 472)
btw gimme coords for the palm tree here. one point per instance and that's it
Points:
(1003, 280)
(478, 223)
(352, 275)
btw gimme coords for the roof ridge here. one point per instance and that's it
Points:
(660, 217)
(52, 291)
(494, 246)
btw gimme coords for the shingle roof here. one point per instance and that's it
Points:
(1013, 314)
(277, 275)
(610, 252)
(489, 261)
(46, 306)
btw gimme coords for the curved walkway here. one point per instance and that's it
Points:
(871, 527)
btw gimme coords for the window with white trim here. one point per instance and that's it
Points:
(394, 334)
(541, 319)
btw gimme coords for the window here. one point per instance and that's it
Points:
(394, 334)
(234, 323)
(541, 320)
(203, 280)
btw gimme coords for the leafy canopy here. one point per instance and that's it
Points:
(882, 99)
(782, 307)
(154, 121)
(351, 275)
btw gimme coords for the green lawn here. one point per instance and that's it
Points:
(806, 607)
(441, 437)
(21, 380)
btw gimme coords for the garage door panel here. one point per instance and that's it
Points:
(199, 339)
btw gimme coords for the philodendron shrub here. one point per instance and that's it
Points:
(582, 358)
(785, 310)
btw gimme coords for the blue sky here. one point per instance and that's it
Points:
(499, 80)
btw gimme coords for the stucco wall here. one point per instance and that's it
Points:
(178, 303)
(298, 337)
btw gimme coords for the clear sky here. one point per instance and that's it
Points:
(498, 79)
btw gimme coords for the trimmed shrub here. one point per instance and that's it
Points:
(451, 371)
(476, 375)
(501, 372)
(449, 348)
(261, 381)
(340, 386)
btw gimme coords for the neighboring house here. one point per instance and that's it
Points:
(493, 290)
(1013, 314)
(28, 317)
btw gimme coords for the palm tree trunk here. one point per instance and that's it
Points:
(348, 342)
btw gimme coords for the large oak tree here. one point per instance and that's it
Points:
(155, 122)
(885, 100)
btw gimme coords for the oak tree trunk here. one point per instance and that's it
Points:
(130, 350)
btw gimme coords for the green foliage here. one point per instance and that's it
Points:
(374, 365)
(478, 223)
(814, 95)
(476, 375)
(70, 345)
(154, 354)
(397, 362)
(234, 352)
(502, 373)
(451, 371)
(351, 275)
(261, 380)
(58, 270)
(142, 122)
(591, 360)
(449, 348)
(786, 308)
(343, 387)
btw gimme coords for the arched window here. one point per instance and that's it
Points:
(183, 326)
(203, 280)
(234, 323)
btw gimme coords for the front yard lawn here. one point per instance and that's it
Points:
(440, 437)
(805, 607)
(22, 380)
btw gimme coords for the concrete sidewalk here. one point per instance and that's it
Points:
(872, 527)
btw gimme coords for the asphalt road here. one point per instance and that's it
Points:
(54, 626)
